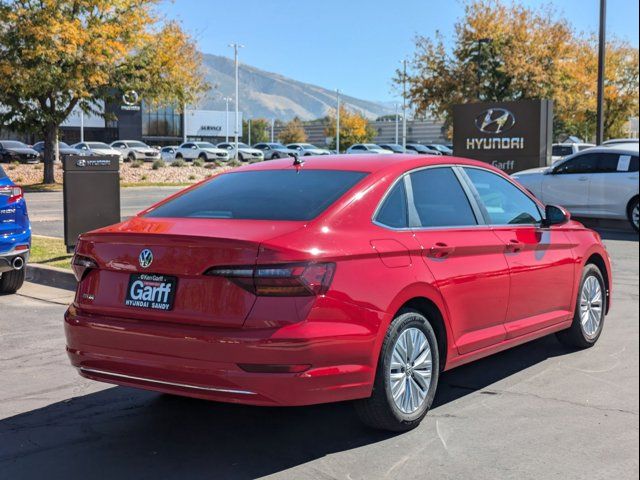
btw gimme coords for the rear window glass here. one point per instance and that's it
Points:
(2, 174)
(262, 195)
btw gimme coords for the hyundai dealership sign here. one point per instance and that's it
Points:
(512, 136)
(210, 123)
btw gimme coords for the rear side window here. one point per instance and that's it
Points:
(2, 174)
(393, 212)
(263, 195)
(505, 203)
(440, 200)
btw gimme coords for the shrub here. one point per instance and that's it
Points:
(136, 163)
(158, 164)
(198, 162)
(192, 177)
(179, 163)
(38, 166)
(143, 178)
(234, 163)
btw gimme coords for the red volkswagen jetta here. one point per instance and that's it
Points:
(343, 278)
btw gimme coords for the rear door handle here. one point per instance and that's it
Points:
(514, 246)
(440, 250)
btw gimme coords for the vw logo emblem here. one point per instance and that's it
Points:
(495, 120)
(146, 258)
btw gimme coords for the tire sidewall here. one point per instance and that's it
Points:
(591, 271)
(632, 206)
(404, 321)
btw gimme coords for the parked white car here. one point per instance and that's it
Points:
(360, 148)
(563, 150)
(203, 150)
(98, 148)
(245, 152)
(601, 182)
(134, 150)
(168, 154)
(306, 149)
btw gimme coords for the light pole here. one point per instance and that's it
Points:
(236, 47)
(338, 121)
(226, 132)
(184, 122)
(404, 104)
(601, 65)
(81, 125)
(273, 126)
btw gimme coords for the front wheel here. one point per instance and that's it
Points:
(591, 307)
(11, 282)
(633, 214)
(406, 377)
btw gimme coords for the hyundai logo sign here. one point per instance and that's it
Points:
(495, 120)
(146, 258)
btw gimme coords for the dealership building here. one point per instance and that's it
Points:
(137, 121)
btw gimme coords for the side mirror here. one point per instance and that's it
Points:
(555, 215)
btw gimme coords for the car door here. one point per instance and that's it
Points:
(540, 260)
(462, 254)
(613, 184)
(568, 183)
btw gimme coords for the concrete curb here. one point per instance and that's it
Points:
(51, 277)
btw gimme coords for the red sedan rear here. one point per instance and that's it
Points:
(344, 278)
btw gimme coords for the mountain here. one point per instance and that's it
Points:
(269, 95)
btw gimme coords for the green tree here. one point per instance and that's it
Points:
(260, 130)
(354, 128)
(59, 54)
(293, 132)
(506, 51)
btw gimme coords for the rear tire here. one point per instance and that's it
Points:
(11, 282)
(633, 214)
(403, 373)
(589, 316)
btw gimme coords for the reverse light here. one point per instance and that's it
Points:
(13, 192)
(290, 280)
(82, 265)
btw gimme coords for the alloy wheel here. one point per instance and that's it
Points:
(410, 370)
(591, 302)
(635, 216)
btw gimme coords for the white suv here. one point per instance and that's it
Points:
(203, 150)
(134, 150)
(601, 182)
(245, 152)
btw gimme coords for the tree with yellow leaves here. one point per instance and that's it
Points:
(56, 55)
(506, 51)
(354, 128)
(293, 132)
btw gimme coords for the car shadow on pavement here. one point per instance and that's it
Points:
(126, 433)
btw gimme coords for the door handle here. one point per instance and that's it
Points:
(514, 246)
(440, 250)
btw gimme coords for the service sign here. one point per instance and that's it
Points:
(512, 136)
(211, 123)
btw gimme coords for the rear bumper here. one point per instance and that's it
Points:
(203, 362)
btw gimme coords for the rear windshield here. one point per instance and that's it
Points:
(262, 195)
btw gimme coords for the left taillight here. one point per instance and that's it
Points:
(290, 280)
(82, 265)
(13, 193)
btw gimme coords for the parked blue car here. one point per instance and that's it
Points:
(15, 235)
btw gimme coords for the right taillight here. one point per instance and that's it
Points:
(81, 265)
(13, 193)
(288, 280)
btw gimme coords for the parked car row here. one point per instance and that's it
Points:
(387, 148)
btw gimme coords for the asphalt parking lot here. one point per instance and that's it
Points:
(537, 411)
(45, 208)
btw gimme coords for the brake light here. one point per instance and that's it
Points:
(291, 280)
(14, 193)
(82, 265)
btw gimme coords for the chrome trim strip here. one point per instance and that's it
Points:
(161, 382)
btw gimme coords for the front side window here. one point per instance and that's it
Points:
(262, 195)
(393, 212)
(505, 203)
(440, 200)
(581, 164)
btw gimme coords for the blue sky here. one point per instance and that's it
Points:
(354, 45)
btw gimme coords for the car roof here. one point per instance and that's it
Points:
(373, 163)
(620, 149)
